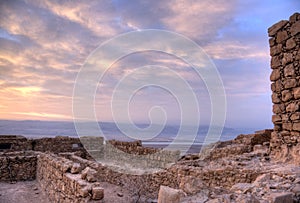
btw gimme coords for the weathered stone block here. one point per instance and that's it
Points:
(275, 62)
(191, 185)
(287, 58)
(272, 41)
(296, 126)
(278, 108)
(293, 18)
(275, 98)
(286, 95)
(274, 50)
(281, 36)
(276, 27)
(169, 195)
(242, 187)
(285, 197)
(276, 119)
(275, 75)
(290, 44)
(89, 174)
(76, 168)
(287, 126)
(295, 116)
(289, 70)
(290, 83)
(295, 28)
(292, 107)
(97, 193)
(296, 92)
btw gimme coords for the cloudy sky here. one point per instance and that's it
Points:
(43, 45)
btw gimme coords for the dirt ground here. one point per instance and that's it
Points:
(29, 192)
(19, 192)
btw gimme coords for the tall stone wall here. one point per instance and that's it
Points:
(285, 63)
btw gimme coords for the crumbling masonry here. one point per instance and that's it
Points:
(285, 63)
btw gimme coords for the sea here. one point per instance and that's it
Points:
(181, 136)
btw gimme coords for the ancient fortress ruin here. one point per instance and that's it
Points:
(285, 63)
(261, 167)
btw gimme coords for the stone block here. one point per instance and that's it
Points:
(289, 71)
(290, 83)
(275, 98)
(286, 95)
(287, 126)
(191, 185)
(287, 58)
(276, 119)
(275, 62)
(294, 17)
(285, 197)
(76, 168)
(89, 174)
(169, 195)
(296, 92)
(97, 193)
(281, 36)
(290, 44)
(295, 116)
(276, 27)
(296, 126)
(292, 107)
(295, 28)
(242, 187)
(275, 50)
(275, 75)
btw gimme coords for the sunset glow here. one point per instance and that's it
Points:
(43, 45)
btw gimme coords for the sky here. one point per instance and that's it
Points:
(45, 44)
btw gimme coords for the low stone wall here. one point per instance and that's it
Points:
(241, 144)
(134, 147)
(17, 166)
(141, 157)
(144, 184)
(14, 143)
(57, 144)
(60, 179)
(225, 176)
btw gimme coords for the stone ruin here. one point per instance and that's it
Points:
(258, 168)
(285, 63)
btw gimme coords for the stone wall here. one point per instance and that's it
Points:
(146, 183)
(14, 143)
(62, 182)
(140, 157)
(131, 154)
(57, 144)
(284, 50)
(16, 166)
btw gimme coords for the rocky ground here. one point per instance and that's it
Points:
(266, 180)
(29, 192)
(278, 183)
(237, 171)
